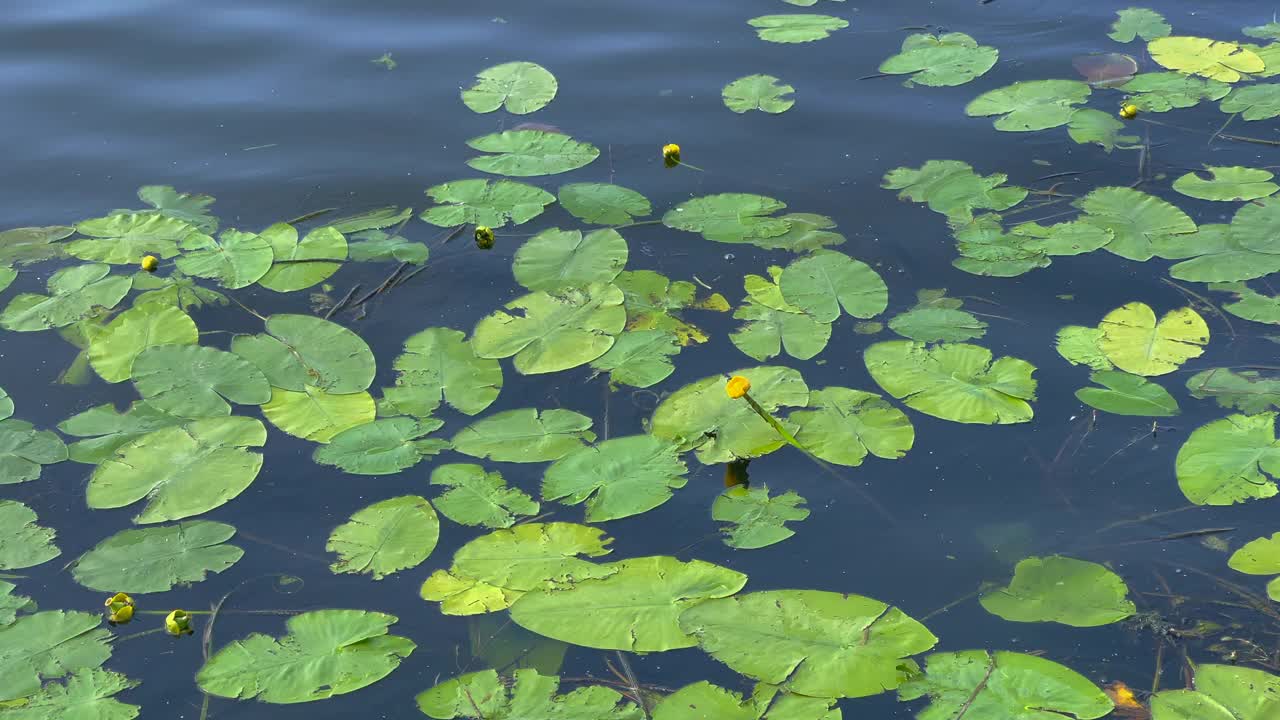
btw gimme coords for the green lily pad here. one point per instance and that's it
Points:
(476, 497)
(654, 302)
(87, 695)
(1125, 394)
(23, 543)
(106, 429)
(701, 416)
(1232, 460)
(11, 605)
(937, 317)
(702, 700)
(192, 381)
(766, 331)
(316, 415)
(1031, 105)
(7, 276)
(952, 188)
(954, 381)
(982, 684)
(758, 92)
(1137, 22)
(1062, 590)
(180, 471)
(1222, 692)
(382, 447)
(1229, 262)
(1140, 222)
(1255, 102)
(6, 405)
(301, 350)
(757, 520)
(528, 153)
(808, 232)
(1103, 129)
(176, 290)
(1228, 183)
(525, 435)
(299, 264)
(603, 203)
(157, 559)
(1135, 342)
(485, 202)
(796, 28)
(550, 332)
(523, 87)
(1255, 224)
(325, 653)
(1165, 91)
(1252, 305)
(386, 537)
(729, 217)
(1259, 557)
(24, 450)
(125, 239)
(376, 219)
(49, 645)
(483, 695)
(618, 478)
(845, 425)
(636, 608)
(822, 644)
(1214, 59)
(378, 246)
(1270, 31)
(74, 293)
(236, 259)
(23, 246)
(941, 60)
(1248, 391)
(555, 259)
(113, 351)
(825, 281)
(640, 359)
(188, 207)
(439, 364)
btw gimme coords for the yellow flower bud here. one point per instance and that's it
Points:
(150, 263)
(671, 155)
(1128, 111)
(484, 237)
(737, 386)
(119, 609)
(178, 623)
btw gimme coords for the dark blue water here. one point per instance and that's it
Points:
(278, 109)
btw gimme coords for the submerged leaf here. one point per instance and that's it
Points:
(525, 435)
(476, 497)
(1003, 685)
(758, 92)
(1062, 590)
(954, 381)
(385, 537)
(757, 519)
(618, 478)
(156, 559)
(484, 695)
(23, 543)
(1232, 460)
(941, 60)
(523, 87)
(485, 202)
(1127, 394)
(527, 153)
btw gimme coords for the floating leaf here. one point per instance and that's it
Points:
(941, 60)
(808, 232)
(124, 239)
(74, 293)
(1030, 105)
(937, 317)
(1245, 390)
(188, 207)
(634, 609)
(640, 359)
(1256, 102)
(701, 416)
(7, 276)
(523, 87)
(550, 332)
(525, 435)
(11, 605)
(985, 249)
(768, 330)
(822, 644)
(6, 405)
(316, 415)
(156, 559)
(603, 203)
(376, 219)
(485, 202)
(796, 28)
(439, 364)
(954, 381)
(49, 645)
(385, 537)
(180, 471)
(729, 217)
(23, 246)
(1003, 685)
(176, 290)
(527, 694)
(302, 350)
(382, 447)
(1136, 343)
(1141, 222)
(378, 246)
(236, 259)
(1137, 22)
(1094, 126)
(1222, 692)
(24, 449)
(476, 497)
(654, 302)
(758, 92)
(113, 351)
(23, 544)
(1062, 590)
(844, 425)
(1165, 91)
(952, 188)
(555, 259)
(527, 153)
(757, 519)
(618, 478)
(1228, 183)
(1226, 261)
(702, 700)
(191, 381)
(325, 653)
(1126, 394)
(1216, 60)
(1260, 557)
(1252, 305)
(107, 429)
(826, 281)
(87, 695)
(299, 263)
(1232, 460)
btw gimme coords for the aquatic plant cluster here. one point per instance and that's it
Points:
(130, 286)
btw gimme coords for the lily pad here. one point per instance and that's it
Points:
(618, 478)
(191, 381)
(113, 351)
(822, 644)
(952, 188)
(954, 381)
(634, 609)
(1255, 102)
(766, 331)
(1105, 69)
(299, 264)
(23, 246)
(758, 92)
(826, 281)
(550, 332)
(87, 695)
(476, 497)
(484, 694)
(528, 153)
(1135, 342)
(729, 217)
(1222, 692)
(316, 415)
(385, 537)
(49, 645)
(180, 471)
(176, 290)
(1126, 394)
(24, 450)
(378, 246)
(808, 232)
(106, 429)
(325, 653)
(1232, 460)
(603, 203)
(1248, 391)
(236, 259)
(1228, 183)
(654, 302)
(640, 359)
(485, 202)
(757, 520)
(1140, 222)
(981, 684)
(1165, 91)
(376, 219)
(702, 700)
(1103, 129)
(937, 317)
(7, 276)
(6, 405)
(11, 605)
(1138, 22)
(125, 239)
(301, 350)
(525, 435)
(1252, 305)
(74, 293)
(1062, 590)
(23, 543)
(1214, 59)
(188, 207)
(1031, 105)
(382, 447)
(438, 364)
(522, 87)
(796, 28)
(157, 559)
(941, 60)
(555, 259)
(1260, 557)
(845, 425)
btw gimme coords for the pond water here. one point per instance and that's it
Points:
(280, 110)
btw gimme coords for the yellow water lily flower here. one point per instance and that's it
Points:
(1128, 111)
(119, 609)
(671, 155)
(737, 386)
(178, 623)
(150, 263)
(484, 237)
